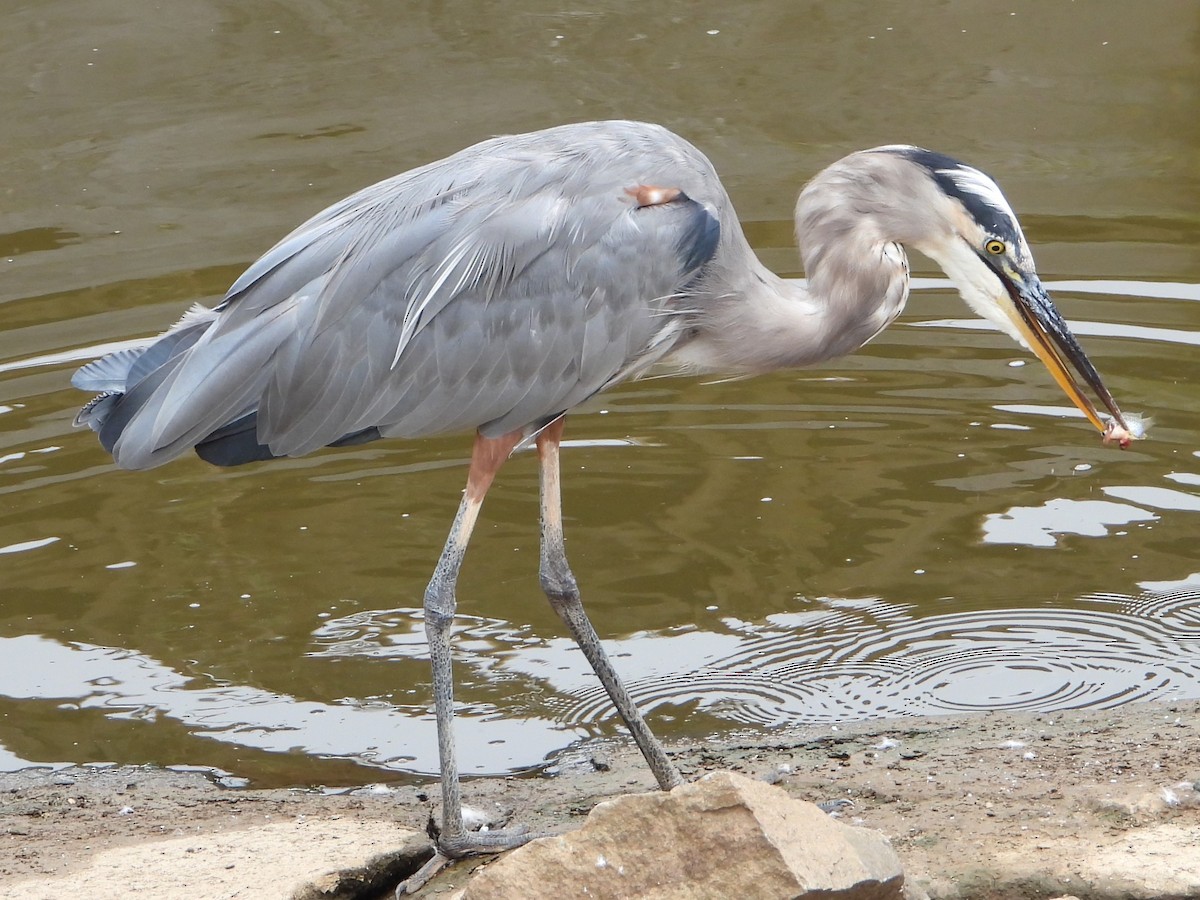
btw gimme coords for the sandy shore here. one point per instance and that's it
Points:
(1012, 805)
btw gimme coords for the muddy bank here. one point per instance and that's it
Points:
(1096, 804)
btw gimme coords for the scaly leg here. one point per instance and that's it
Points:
(563, 593)
(455, 841)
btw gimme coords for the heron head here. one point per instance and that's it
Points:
(968, 227)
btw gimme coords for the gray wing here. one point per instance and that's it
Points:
(494, 289)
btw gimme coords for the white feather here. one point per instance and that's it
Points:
(973, 181)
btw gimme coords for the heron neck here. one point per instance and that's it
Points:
(763, 322)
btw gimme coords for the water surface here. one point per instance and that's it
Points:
(924, 527)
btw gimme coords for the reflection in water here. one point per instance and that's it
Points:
(1187, 337)
(131, 686)
(835, 661)
(1040, 526)
(24, 546)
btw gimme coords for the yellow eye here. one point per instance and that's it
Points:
(994, 247)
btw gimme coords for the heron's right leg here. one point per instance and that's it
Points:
(487, 456)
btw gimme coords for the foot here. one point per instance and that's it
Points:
(472, 843)
(478, 843)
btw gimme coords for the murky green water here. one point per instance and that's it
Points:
(923, 527)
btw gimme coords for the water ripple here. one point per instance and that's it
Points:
(1176, 612)
(889, 663)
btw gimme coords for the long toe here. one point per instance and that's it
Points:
(421, 877)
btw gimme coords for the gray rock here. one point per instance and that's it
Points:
(720, 837)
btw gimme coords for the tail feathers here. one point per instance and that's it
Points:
(158, 401)
(122, 369)
(179, 390)
(97, 410)
(109, 374)
(111, 415)
(117, 373)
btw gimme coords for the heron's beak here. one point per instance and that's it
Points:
(1044, 329)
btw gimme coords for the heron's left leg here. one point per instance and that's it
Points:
(563, 593)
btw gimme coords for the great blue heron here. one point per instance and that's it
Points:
(498, 288)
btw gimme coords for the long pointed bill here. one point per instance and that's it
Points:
(1043, 327)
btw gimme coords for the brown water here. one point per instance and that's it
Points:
(923, 527)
